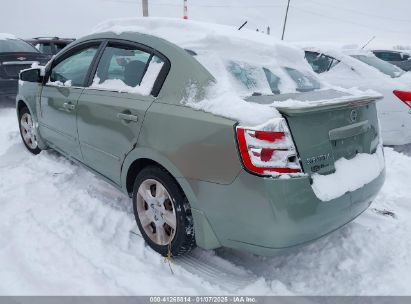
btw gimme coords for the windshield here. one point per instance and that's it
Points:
(16, 46)
(383, 66)
(278, 80)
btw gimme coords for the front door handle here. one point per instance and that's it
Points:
(129, 117)
(69, 106)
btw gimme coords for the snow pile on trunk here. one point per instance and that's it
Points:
(350, 175)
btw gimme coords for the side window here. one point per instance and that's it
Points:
(59, 46)
(45, 48)
(273, 81)
(320, 63)
(72, 71)
(127, 69)
(389, 56)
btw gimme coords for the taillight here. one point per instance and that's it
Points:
(404, 96)
(268, 150)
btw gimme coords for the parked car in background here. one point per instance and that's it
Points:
(50, 45)
(215, 147)
(361, 69)
(15, 55)
(401, 59)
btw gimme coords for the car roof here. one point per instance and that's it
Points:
(6, 36)
(206, 38)
(51, 39)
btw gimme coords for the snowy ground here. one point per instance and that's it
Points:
(63, 231)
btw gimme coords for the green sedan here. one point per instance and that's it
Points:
(216, 148)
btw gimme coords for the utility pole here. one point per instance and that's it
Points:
(285, 20)
(185, 14)
(145, 8)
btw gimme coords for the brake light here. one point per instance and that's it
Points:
(270, 151)
(404, 96)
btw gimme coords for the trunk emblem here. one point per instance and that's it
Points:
(21, 58)
(353, 116)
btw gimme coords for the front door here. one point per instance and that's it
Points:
(112, 109)
(59, 97)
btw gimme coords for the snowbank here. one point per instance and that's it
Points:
(83, 243)
(349, 175)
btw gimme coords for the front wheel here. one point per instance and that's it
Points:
(27, 131)
(162, 212)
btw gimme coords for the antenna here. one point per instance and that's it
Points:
(285, 20)
(242, 25)
(368, 42)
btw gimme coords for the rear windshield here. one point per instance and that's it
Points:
(255, 79)
(16, 46)
(383, 66)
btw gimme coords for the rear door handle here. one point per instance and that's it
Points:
(69, 106)
(129, 117)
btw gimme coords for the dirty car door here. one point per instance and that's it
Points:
(111, 110)
(59, 96)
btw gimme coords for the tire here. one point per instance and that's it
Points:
(26, 126)
(157, 201)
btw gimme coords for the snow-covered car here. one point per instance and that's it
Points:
(401, 59)
(220, 137)
(359, 68)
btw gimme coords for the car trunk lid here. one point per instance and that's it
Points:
(12, 63)
(325, 131)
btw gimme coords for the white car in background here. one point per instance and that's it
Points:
(361, 69)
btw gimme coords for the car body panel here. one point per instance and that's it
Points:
(266, 216)
(57, 123)
(104, 138)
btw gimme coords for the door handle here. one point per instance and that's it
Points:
(69, 106)
(129, 117)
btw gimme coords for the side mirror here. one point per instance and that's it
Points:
(32, 75)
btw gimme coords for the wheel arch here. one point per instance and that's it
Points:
(138, 159)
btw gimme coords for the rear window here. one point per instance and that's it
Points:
(16, 46)
(279, 80)
(391, 56)
(383, 66)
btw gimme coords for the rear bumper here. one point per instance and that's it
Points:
(265, 215)
(396, 127)
(8, 87)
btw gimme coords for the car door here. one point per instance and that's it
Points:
(58, 103)
(111, 110)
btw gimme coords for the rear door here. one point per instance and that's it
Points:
(112, 108)
(58, 104)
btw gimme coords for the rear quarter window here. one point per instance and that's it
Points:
(127, 69)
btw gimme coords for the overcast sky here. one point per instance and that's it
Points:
(339, 21)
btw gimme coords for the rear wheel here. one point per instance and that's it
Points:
(27, 131)
(162, 212)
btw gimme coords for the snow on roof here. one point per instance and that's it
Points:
(4, 36)
(253, 47)
(216, 45)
